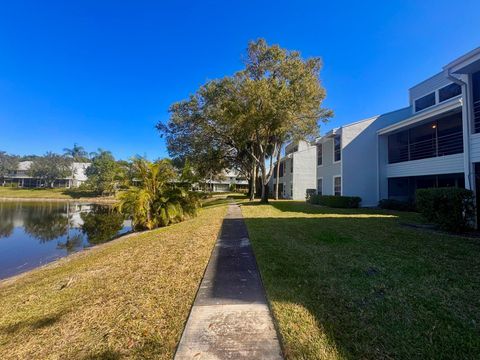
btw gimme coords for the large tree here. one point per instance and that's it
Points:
(8, 163)
(277, 98)
(104, 173)
(50, 167)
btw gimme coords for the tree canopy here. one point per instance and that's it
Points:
(50, 167)
(242, 121)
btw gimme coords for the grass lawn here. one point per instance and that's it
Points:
(129, 298)
(352, 284)
(59, 193)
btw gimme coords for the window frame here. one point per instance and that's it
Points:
(334, 178)
(320, 146)
(321, 190)
(340, 150)
(436, 93)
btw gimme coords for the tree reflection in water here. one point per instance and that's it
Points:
(6, 219)
(72, 244)
(101, 224)
(46, 221)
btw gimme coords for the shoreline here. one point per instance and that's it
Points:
(40, 199)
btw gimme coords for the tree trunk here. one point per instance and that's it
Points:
(254, 181)
(278, 174)
(264, 199)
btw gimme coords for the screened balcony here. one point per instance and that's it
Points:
(440, 137)
(476, 100)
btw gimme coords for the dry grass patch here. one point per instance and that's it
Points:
(126, 299)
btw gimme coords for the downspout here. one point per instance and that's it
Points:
(466, 126)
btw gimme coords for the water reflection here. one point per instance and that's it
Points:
(101, 224)
(32, 234)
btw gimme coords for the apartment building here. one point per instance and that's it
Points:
(433, 142)
(297, 173)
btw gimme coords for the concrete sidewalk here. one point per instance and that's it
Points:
(230, 318)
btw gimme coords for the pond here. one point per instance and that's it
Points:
(36, 233)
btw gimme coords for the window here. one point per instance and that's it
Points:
(449, 91)
(319, 154)
(291, 167)
(337, 150)
(337, 186)
(320, 186)
(291, 189)
(425, 102)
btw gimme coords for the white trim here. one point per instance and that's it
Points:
(445, 106)
(460, 62)
(341, 184)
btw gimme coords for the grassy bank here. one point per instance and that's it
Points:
(350, 284)
(60, 194)
(126, 299)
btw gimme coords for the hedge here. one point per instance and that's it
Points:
(452, 209)
(335, 201)
(392, 204)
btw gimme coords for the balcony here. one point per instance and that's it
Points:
(437, 146)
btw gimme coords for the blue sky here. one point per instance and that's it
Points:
(103, 73)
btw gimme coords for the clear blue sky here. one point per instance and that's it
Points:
(103, 73)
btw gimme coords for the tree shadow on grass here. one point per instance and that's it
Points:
(103, 355)
(32, 324)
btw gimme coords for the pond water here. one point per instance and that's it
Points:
(36, 233)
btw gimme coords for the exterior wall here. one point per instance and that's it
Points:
(360, 162)
(425, 87)
(431, 166)
(304, 175)
(475, 147)
(329, 169)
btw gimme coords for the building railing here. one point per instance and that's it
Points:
(476, 115)
(438, 146)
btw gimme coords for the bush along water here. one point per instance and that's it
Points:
(157, 200)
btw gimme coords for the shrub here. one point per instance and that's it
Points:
(336, 201)
(310, 193)
(453, 209)
(392, 204)
(158, 201)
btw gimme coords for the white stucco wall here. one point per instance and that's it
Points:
(304, 174)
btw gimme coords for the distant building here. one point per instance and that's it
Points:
(226, 181)
(297, 171)
(21, 177)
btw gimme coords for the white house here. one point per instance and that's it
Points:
(226, 180)
(21, 177)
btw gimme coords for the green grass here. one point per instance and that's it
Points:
(352, 284)
(128, 299)
(8, 192)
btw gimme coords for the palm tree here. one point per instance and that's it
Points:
(77, 153)
(157, 201)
